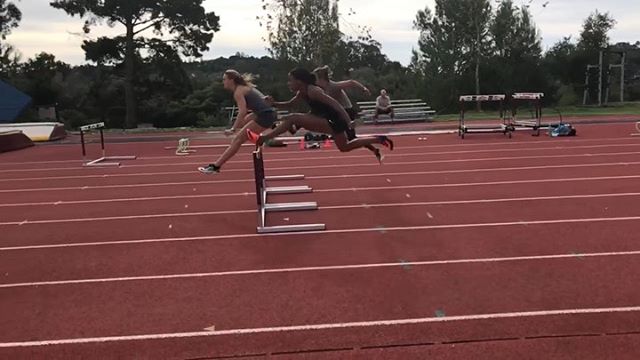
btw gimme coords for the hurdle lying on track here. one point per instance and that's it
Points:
(99, 162)
(262, 194)
(505, 128)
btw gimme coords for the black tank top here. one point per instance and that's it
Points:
(321, 109)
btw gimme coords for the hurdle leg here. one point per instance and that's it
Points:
(262, 192)
(100, 161)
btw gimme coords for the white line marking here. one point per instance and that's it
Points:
(332, 166)
(320, 269)
(570, 142)
(327, 177)
(336, 207)
(323, 233)
(290, 159)
(317, 327)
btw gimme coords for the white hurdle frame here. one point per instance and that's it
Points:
(535, 124)
(506, 128)
(100, 161)
(262, 194)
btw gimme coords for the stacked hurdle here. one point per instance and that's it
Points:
(263, 192)
(100, 161)
(536, 122)
(505, 127)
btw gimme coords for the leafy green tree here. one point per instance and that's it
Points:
(10, 17)
(182, 25)
(302, 31)
(595, 32)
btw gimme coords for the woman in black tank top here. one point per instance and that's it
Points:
(327, 116)
(336, 89)
(261, 117)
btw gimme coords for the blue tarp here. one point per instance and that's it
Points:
(12, 103)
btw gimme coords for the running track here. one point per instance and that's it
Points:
(486, 248)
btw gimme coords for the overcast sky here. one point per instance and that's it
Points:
(46, 29)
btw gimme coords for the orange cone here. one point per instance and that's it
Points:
(327, 144)
(302, 147)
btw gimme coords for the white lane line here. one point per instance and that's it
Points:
(327, 232)
(329, 326)
(332, 166)
(327, 177)
(321, 269)
(319, 158)
(569, 142)
(244, 194)
(336, 207)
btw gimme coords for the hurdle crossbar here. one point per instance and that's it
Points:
(536, 123)
(262, 194)
(100, 161)
(506, 128)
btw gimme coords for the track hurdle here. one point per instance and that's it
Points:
(505, 128)
(536, 123)
(262, 194)
(100, 161)
(183, 147)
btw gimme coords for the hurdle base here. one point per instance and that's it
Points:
(284, 178)
(299, 206)
(289, 190)
(290, 228)
(100, 161)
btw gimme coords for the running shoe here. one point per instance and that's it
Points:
(209, 169)
(385, 141)
(254, 137)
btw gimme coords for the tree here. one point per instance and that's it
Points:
(479, 12)
(444, 53)
(302, 31)
(43, 74)
(517, 49)
(595, 32)
(10, 17)
(182, 25)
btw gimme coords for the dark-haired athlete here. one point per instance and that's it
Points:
(327, 116)
(336, 89)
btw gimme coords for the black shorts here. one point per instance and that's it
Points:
(267, 119)
(353, 113)
(335, 121)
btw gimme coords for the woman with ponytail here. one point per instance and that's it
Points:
(327, 116)
(247, 98)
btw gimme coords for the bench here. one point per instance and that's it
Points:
(405, 110)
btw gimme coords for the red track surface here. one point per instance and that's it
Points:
(483, 248)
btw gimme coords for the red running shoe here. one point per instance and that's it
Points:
(254, 137)
(385, 141)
